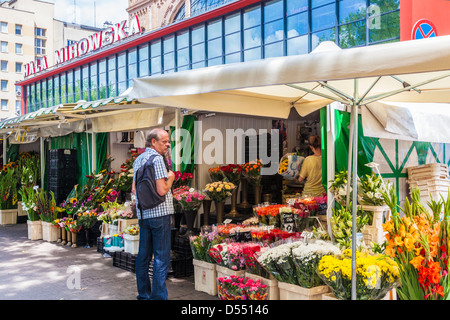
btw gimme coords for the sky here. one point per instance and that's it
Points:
(105, 10)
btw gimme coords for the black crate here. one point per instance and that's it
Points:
(62, 154)
(66, 164)
(64, 173)
(182, 267)
(62, 182)
(125, 261)
(100, 245)
(182, 246)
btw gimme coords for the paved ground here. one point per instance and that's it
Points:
(40, 270)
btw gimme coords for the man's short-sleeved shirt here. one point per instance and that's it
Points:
(166, 207)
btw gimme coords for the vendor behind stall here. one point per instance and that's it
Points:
(311, 170)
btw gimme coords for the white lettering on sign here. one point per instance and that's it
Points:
(91, 43)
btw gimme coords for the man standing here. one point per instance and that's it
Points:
(154, 237)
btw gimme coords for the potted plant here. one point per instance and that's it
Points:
(46, 207)
(34, 224)
(74, 228)
(8, 196)
(87, 220)
(131, 239)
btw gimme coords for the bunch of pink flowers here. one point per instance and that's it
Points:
(241, 288)
(189, 199)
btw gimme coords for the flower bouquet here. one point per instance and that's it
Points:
(376, 275)
(370, 190)
(232, 173)
(200, 245)
(270, 215)
(338, 188)
(341, 224)
(182, 179)
(306, 259)
(216, 174)
(87, 219)
(238, 288)
(74, 226)
(252, 171)
(132, 230)
(231, 288)
(278, 261)
(8, 189)
(46, 206)
(419, 244)
(28, 195)
(219, 191)
(125, 179)
(219, 253)
(189, 200)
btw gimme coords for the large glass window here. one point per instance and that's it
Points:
(273, 29)
(155, 51)
(70, 84)
(198, 47)
(78, 86)
(112, 76)
(102, 79)
(38, 96)
(56, 90)
(252, 33)
(63, 88)
(233, 38)
(50, 93)
(183, 50)
(214, 42)
(169, 54)
(144, 67)
(44, 94)
(132, 66)
(93, 80)
(85, 82)
(122, 72)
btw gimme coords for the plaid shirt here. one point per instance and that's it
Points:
(165, 208)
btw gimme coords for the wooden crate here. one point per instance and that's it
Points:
(205, 277)
(8, 216)
(427, 171)
(292, 292)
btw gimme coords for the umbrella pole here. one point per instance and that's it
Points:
(355, 187)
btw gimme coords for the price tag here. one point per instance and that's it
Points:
(67, 151)
(227, 221)
(291, 201)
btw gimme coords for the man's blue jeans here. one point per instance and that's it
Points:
(154, 240)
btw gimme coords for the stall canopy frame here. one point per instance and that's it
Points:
(409, 71)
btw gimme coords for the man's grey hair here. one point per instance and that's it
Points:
(153, 134)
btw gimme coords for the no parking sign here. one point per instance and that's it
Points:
(423, 29)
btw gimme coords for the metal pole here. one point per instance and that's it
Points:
(5, 139)
(42, 160)
(177, 139)
(355, 187)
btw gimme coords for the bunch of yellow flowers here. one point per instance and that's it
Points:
(219, 190)
(375, 274)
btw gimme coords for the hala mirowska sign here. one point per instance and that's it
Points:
(91, 43)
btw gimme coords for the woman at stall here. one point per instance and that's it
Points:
(311, 170)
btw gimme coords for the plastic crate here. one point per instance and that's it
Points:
(62, 154)
(182, 267)
(182, 246)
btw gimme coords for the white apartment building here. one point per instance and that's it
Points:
(28, 32)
